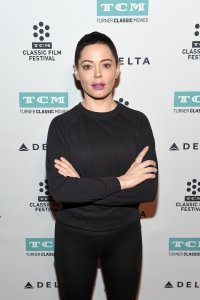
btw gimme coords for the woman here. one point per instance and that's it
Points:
(101, 164)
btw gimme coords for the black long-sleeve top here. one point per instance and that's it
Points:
(101, 147)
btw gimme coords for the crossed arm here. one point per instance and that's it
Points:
(138, 184)
(138, 171)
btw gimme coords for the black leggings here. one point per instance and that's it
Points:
(76, 258)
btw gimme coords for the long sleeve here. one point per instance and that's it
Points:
(101, 147)
(69, 189)
(145, 191)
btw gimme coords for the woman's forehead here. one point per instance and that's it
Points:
(96, 52)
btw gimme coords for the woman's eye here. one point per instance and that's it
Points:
(107, 65)
(87, 67)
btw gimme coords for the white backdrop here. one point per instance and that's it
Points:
(158, 44)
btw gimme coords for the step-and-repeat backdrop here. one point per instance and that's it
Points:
(159, 52)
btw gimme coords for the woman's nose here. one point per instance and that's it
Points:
(97, 72)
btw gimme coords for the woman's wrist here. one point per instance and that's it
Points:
(122, 182)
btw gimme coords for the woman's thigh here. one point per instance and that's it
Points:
(121, 263)
(75, 262)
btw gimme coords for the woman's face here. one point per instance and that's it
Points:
(97, 71)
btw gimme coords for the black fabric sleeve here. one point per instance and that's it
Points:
(70, 189)
(147, 190)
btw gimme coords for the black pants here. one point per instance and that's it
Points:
(76, 257)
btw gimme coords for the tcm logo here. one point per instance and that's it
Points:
(193, 189)
(122, 8)
(184, 244)
(186, 99)
(44, 189)
(39, 244)
(193, 52)
(196, 44)
(41, 100)
(121, 100)
(41, 32)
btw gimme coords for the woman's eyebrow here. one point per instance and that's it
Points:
(88, 60)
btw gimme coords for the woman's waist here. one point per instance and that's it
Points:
(98, 219)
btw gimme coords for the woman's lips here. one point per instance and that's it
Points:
(98, 86)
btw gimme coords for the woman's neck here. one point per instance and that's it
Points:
(99, 105)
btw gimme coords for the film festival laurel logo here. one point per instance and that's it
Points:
(42, 47)
(117, 11)
(193, 53)
(45, 202)
(125, 103)
(191, 201)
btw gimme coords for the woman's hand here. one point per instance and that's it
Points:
(65, 168)
(138, 172)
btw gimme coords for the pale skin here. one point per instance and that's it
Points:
(97, 71)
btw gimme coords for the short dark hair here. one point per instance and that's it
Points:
(94, 37)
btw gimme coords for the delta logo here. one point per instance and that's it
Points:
(184, 146)
(33, 147)
(41, 284)
(182, 284)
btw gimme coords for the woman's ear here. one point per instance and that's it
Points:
(76, 74)
(117, 71)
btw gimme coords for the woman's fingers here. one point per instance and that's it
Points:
(148, 163)
(65, 168)
(143, 168)
(149, 176)
(66, 162)
(65, 171)
(139, 171)
(150, 170)
(141, 155)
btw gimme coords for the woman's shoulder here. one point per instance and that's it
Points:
(135, 116)
(68, 116)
